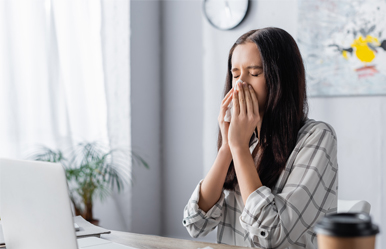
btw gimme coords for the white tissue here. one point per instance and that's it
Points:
(229, 111)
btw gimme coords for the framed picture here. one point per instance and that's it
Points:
(343, 44)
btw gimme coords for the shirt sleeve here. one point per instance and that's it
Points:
(278, 221)
(200, 223)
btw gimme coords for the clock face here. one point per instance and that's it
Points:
(225, 14)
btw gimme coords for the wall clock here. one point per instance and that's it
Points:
(225, 14)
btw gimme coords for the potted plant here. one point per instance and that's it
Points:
(92, 171)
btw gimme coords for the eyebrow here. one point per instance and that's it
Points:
(250, 67)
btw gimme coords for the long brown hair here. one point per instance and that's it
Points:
(286, 107)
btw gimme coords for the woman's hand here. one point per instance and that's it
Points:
(224, 126)
(245, 117)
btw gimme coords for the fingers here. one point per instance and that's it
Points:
(227, 95)
(224, 105)
(236, 105)
(227, 100)
(254, 100)
(248, 99)
(243, 107)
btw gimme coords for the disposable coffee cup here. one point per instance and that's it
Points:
(346, 231)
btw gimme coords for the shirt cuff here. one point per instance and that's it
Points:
(194, 213)
(254, 205)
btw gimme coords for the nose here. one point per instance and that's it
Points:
(243, 76)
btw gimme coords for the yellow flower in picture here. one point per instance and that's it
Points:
(365, 48)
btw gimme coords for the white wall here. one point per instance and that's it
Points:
(146, 115)
(359, 123)
(145, 82)
(166, 80)
(182, 109)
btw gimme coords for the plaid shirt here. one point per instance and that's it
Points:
(282, 217)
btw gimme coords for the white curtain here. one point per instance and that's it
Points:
(64, 78)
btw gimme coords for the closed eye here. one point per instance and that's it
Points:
(255, 75)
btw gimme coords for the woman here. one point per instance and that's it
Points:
(275, 174)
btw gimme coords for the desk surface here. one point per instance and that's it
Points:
(156, 242)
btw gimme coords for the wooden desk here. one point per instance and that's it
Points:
(156, 242)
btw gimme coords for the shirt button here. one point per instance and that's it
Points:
(263, 234)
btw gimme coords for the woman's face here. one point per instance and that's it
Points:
(247, 66)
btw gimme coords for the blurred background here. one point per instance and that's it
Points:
(148, 76)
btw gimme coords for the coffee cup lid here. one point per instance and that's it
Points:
(346, 225)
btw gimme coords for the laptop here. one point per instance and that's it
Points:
(35, 208)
